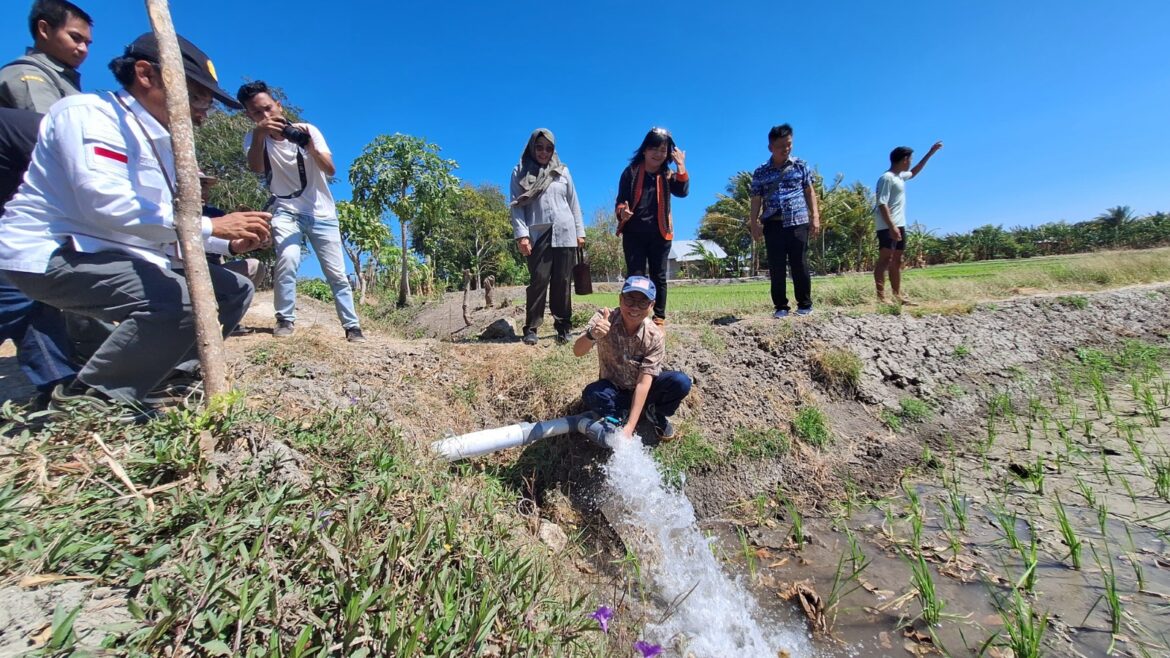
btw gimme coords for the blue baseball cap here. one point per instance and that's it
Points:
(640, 284)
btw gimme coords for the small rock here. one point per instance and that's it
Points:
(553, 537)
(501, 328)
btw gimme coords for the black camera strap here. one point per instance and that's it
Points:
(268, 177)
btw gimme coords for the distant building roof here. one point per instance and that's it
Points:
(682, 251)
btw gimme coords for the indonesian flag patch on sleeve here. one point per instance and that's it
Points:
(102, 155)
(103, 152)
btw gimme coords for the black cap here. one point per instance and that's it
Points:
(196, 64)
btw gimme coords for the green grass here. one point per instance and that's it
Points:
(939, 285)
(759, 444)
(812, 426)
(690, 451)
(377, 552)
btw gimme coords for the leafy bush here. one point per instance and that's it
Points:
(315, 288)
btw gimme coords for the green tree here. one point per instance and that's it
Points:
(726, 222)
(406, 176)
(481, 230)
(711, 263)
(604, 246)
(1115, 220)
(364, 237)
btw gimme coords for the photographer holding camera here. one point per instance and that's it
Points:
(297, 164)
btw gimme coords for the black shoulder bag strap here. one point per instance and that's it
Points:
(49, 73)
(268, 178)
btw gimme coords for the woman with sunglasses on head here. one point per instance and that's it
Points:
(549, 228)
(643, 210)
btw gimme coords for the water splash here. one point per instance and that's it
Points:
(714, 616)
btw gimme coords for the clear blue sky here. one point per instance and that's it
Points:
(1049, 110)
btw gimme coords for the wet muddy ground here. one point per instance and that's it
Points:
(1056, 522)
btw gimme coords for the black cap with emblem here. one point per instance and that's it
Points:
(196, 64)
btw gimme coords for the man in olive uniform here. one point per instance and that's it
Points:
(47, 72)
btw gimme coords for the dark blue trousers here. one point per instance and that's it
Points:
(42, 344)
(667, 391)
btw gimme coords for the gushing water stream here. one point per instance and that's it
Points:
(712, 615)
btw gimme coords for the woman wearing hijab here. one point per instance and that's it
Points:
(548, 227)
(643, 210)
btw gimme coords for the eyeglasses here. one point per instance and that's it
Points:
(636, 302)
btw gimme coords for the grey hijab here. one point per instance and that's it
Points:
(533, 178)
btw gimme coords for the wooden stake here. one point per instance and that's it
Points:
(188, 205)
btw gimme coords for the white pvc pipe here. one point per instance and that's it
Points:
(485, 442)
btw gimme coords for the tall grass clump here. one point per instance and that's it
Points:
(837, 367)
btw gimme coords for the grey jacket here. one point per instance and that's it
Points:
(36, 81)
(556, 208)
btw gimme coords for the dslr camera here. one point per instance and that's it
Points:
(295, 135)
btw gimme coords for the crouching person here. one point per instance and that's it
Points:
(630, 352)
(91, 231)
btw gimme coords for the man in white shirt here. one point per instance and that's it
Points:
(297, 164)
(91, 230)
(889, 215)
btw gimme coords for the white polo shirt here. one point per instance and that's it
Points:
(96, 183)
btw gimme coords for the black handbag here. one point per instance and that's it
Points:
(582, 277)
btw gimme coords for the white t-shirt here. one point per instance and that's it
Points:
(891, 190)
(316, 200)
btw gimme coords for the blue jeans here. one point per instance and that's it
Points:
(289, 231)
(667, 391)
(42, 345)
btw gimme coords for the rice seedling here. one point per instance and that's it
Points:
(749, 553)
(796, 533)
(1102, 518)
(1085, 491)
(1031, 560)
(961, 351)
(1111, 595)
(924, 589)
(1007, 524)
(1024, 627)
(1161, 478)
(844, 584)
(1150, 408)
(1068, 534)
(1036, 475)
(957, 503)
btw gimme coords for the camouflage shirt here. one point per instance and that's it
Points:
(623, 357)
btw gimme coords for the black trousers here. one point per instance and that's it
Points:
(648, 255)
(788, 246)
(550, 272)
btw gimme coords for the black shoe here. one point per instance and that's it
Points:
(355, 335)
(76, 398)
(284, 329)
(529, 336)
(562, 337)
(663, 428)
(180, 386)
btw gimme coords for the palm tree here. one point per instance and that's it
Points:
(1115, 220)
(726, 221)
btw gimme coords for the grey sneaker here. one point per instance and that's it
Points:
(74, 398)
(782, 313)
(355, 335)
(284, 329)
(529, 337)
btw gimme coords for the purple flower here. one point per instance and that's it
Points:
(603, 614)
(648, 650)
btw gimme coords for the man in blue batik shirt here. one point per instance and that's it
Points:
(782, 194)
